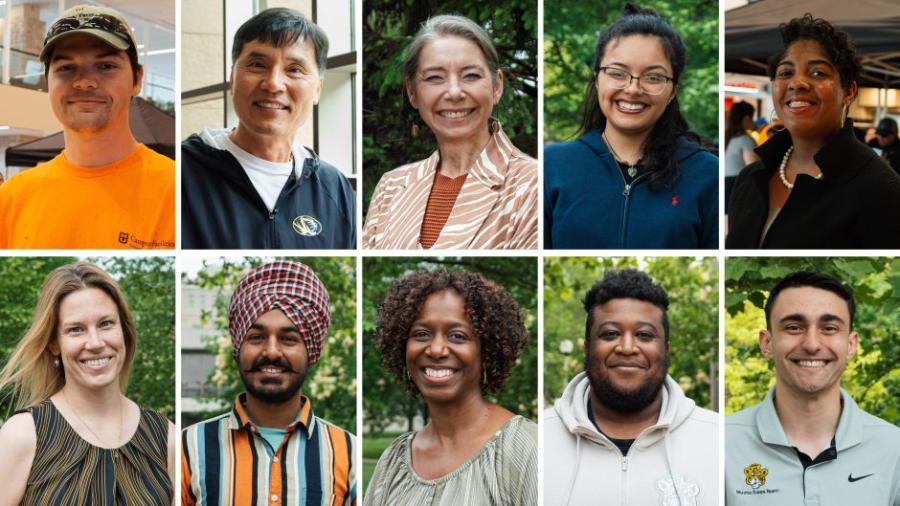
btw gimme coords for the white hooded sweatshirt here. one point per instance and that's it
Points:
(672, 463)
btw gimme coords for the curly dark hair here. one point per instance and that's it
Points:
(492, 311)
(671, 126)
(625, 284)
(836, 44)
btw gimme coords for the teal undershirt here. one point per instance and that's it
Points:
(273, 436)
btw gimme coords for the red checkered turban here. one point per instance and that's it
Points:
(289, 286)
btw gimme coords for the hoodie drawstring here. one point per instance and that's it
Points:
(577, 466)
(669, 466)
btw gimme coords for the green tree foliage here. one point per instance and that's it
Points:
(571, 28)
(388, 28)
(385, 401)
(692, 285)
(331, 383)
(872, 377)
(149, 287)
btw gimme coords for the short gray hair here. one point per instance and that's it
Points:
(446, 25)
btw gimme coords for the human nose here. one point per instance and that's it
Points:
(634, 85)
(627, 344)
(797, 80)
(454, 89)
(84, 80)
(93, 339)
(810, 343)
(272, 348)
(437, 347)
(273, 81)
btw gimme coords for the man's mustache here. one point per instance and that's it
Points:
(259, 363)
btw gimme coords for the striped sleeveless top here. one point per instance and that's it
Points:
(69, 471)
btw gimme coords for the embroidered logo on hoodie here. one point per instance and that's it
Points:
(675, 491)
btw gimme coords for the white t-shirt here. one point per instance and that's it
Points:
(268, 178)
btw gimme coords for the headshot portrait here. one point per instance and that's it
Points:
(450, 125)
(821, 82)
(269, 388)
(630, 159)
(630, 407)
(87, 384)
(106, 79)
(811, 391)
(450, 381)
(268, 159)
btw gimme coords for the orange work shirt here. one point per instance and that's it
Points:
(129, 204)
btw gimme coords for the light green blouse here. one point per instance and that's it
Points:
(502, 473)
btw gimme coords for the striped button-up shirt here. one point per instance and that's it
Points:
(225, 461)
(496, 207)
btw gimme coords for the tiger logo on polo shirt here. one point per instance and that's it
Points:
(755, 476)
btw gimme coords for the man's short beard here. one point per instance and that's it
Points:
(623, 401)
(274, 396)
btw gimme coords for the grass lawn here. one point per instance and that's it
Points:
(373, 447)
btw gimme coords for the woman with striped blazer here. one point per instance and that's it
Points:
(77, 439)
(477, 191)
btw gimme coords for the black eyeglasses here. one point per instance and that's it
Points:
(652, 84)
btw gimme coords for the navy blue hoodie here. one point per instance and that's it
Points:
(587, 204)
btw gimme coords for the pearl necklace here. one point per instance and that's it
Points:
(784, 162)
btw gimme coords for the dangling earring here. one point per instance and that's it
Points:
(772, 119)
(414, 132)
(55, 361)
(844, 113)
(484, 380)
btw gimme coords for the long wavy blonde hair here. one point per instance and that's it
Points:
(30, 370)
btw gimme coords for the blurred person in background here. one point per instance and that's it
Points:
(739, 145)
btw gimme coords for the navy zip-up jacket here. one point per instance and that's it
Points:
(220, 208)
(587, 204)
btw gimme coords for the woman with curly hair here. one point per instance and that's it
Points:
(636, 177)
(816, 186)
(451, 337)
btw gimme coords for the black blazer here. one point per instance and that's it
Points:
(856, 205)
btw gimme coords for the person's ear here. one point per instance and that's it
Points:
(765, 343)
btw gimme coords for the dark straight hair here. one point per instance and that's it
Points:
(813, 280)
(663, 139)
(280, 27)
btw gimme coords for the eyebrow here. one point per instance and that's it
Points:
(648, 67)
(808, 63)
(286, 328)
(111, 53)
(828, 317)
(438, 67)
(640, 322)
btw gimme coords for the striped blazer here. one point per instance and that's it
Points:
(496, 207)
(226, 462)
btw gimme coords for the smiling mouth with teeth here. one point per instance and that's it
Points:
(437, 373)
(456, 114)
(270, 105)
(799, 103)
(271, 370)
(811, 363)
(630, 106)
(96, 362)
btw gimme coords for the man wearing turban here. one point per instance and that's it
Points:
(271, 449)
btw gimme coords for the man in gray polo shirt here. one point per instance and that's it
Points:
(808, 443)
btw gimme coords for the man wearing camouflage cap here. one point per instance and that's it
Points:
(270, 448)
(105, 190)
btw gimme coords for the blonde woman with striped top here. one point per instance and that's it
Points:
(451, 337)
(77, 439)
(477, 191)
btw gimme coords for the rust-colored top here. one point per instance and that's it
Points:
(440, 203)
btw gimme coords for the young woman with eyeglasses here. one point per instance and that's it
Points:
(636, 177)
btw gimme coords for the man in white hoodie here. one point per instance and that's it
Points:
(623, 432)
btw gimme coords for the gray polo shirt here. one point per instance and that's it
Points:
(762, 468)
